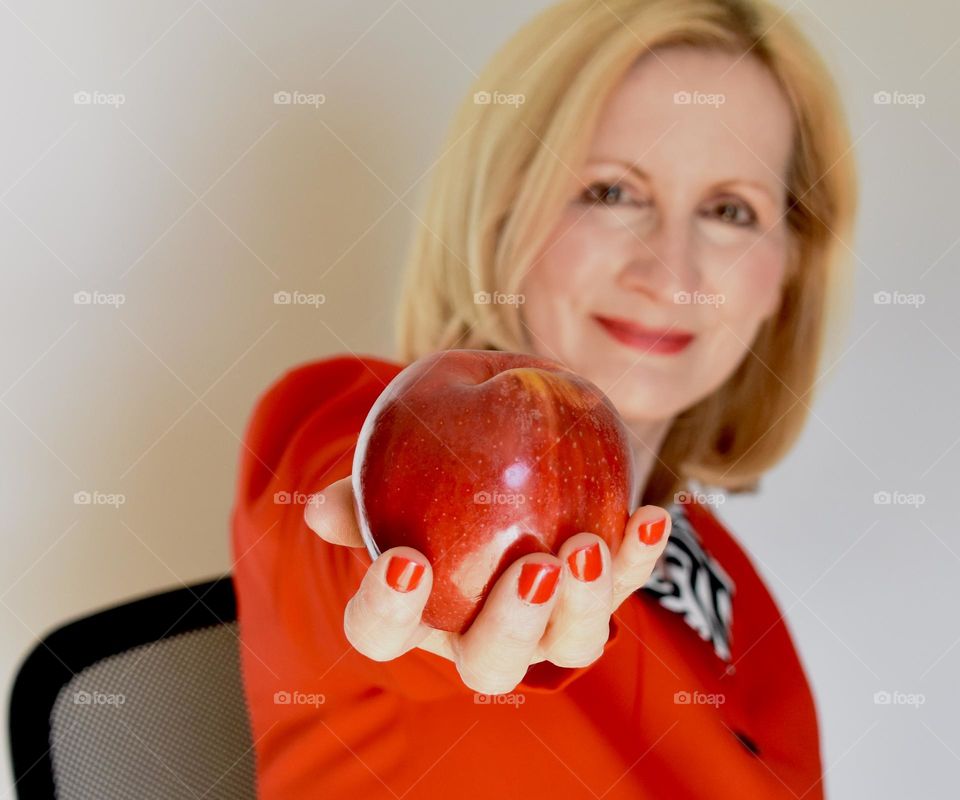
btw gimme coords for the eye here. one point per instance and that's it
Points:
(733, 211)
(607, 194)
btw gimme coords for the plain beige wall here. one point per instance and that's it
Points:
(199, 197)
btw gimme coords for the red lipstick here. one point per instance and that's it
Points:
(665, 341)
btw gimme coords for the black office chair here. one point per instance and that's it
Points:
(143, 700)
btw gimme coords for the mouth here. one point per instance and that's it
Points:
(662, 341)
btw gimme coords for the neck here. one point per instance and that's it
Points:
(646, 439)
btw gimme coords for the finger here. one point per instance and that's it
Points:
(494, 653)
(644, 540)
(330, 514)
(580, 625)
(382, 620)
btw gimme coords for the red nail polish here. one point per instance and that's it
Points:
(651, 532)
(404, 574)
(537, 582)
(586, 563)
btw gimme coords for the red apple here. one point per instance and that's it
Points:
(478, 457)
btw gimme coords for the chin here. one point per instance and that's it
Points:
(638, 391)
(637, 402)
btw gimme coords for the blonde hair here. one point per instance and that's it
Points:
(500, 185)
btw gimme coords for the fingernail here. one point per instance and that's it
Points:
(404, 574)
(651, 532)
(537, 582)
(586, 563)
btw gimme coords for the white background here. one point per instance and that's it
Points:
(198, 198)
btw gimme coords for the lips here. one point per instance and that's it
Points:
(665, 341)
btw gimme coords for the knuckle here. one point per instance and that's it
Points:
(634, 576)
(371, 630)
(578, 646)
(394, 613)
(494, 671)
(576, 658)
(510, 640)
(365, 643)
(487, 684)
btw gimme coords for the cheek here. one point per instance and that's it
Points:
(751, 287)
(575, 257)
(751, 291)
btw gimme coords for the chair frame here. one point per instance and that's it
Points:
(77, 645)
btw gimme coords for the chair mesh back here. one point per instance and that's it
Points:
(162, 721)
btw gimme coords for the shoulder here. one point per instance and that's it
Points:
(306, 416)
(765, 665)
(331, 376)
(328, 387)
(759, 638)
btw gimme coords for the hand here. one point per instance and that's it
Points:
(569, 628)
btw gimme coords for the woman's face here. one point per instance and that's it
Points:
(655, 278)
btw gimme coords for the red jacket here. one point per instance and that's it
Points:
(699, 693)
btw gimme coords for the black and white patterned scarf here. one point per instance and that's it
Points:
(688, 581)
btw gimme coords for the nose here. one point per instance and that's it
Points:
(662, 260)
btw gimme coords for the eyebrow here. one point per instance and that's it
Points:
(640, 173)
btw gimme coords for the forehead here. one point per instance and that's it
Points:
(739, 125)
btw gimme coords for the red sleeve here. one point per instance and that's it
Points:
(292, 586)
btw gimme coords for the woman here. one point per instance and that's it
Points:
(651, 192)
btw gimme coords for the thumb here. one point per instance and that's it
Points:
(330, 514)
